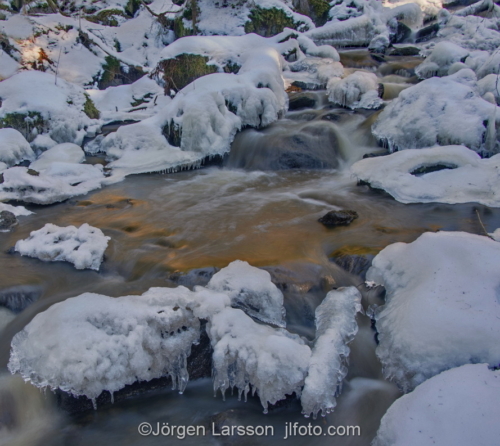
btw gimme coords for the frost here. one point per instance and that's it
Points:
(335, 327)
(462, 176)
(83, 247)
(358, 90)
(441, 307)
(251, 290)
(14, 148)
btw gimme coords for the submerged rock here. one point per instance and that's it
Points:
(338, 218)
(7, 221)
(17, 298)
(301, 100)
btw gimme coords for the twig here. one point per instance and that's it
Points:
(482, 226)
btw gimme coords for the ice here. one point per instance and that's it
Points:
(61, 153)
(442, 306)
(464, 177)
(358, 90)
(83, 247)
(251, 356)
(442, 111)
(92, 342)
(442, 57)
(251, 290)
(490, 84)
(335, 327)
(16, 210)
(456, 407)
(14, 148)
(490, 66)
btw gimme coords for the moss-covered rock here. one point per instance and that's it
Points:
(28, 124)
(113, 74)
(318, 11)
(178, 72)
(268, 22)
(90, 109)
(106, 17)
(132, 7)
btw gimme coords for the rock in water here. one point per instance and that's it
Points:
(7, 220)
(338, 218)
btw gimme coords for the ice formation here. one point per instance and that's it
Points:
(14, 148)
(490, 84)
(441, 307)
(251, 290)
(459, 406)
(60, 153)
(464, 177)
(251, 356)
(16, 210)
(442, 57)
(83, 247)
(335, 327)
(358, 90)
(438, 111)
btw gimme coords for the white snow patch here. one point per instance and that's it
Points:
(16, 210)
(14, 148)
(8, 66)
(61, 153)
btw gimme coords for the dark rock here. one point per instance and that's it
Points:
(354, 264)
(199, 276)
(338, 218)
(308, 86)
(401, 33)
(7, 220)
(301, 100)
(404, 51)
(17, 298)
(375, 154)
(427, 33)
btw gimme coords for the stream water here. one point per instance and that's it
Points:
(161, 225)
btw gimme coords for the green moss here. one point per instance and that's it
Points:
(132, 7)
(25, 123)
(106, 17)
(90, 109)
(111, 69)
(268, 22)
(183, 70)
(319, 11)
(4, 7)
(180, 30)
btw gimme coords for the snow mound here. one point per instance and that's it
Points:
(83, 247)
(8, 66)
(459, 406)
(16, 210)
(490, 84)
(335, 327)
(61, 153)
(114, 342)
(251, 356)
(358, 90)
(442, 57)
(442, 307)
(14, 148)
(464, 177)
(251, 290)
(438, 111)
(496, 235)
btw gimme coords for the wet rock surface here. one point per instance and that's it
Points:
(338, 218)
(7, 220)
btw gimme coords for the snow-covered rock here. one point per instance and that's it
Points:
(459, 406)
(442, 57)
(335, 327)
(14, 148)
(441, 307)
(358, 90)
(61, 153)
(83, 247)
(16, 210)
(464, 177)
(439, 111)
(251, 356)
(251, 290)
(490, 84)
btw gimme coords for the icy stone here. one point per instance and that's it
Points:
(251, 290)
(61, 153)
(441, 307)
(438, 111)
(459, 406)
(335, 327)
(442, 57)
(450, 174)
(83, 246)
(490, 84)
(251, 356)
(16, 210)
(358, 90)
(14, 148)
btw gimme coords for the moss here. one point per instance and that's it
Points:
(4, 7)
(132, 7)
(319, 11)
(180, 30)
(90, 109)
(184, 69)
(111, 69)
(173, 134)
(25, 123)
(106, 17)
(268, 22)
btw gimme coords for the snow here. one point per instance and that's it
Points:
(16, 210)
(441, 111)
(61, 153)
(251, 356)
(442, 57)
(335, 327)
(17, 26)
(358, 90)
(251, 290)
(456, 407)
(8, 66)
(14, 148)
(114, 342)
(490, 84)
(83, 247)
(496, 235)
(468, 178)
(442, 307)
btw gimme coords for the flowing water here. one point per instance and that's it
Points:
(262, 206)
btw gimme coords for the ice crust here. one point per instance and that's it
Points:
(358, 90)
(61, 153)
(335, 327)
(469, 178)
(14, 148)
(439, 111)
(442, 307)
(251, 290)
(442, 57)
(459, 406)
(83, 247)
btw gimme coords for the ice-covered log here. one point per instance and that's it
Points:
(456, 407)
(444, 174)
(335, 327)
(441, 307)
(251, 290)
